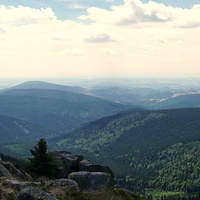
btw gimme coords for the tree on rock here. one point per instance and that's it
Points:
(43, 162)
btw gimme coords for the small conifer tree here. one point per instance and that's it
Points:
(43, 162)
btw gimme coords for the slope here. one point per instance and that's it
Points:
(16, 136)
(44, 85)
(138, 145)
(55, 109)
(183, 101)
(16, 130)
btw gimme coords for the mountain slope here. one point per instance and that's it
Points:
(16, 130)
(44, 85)
(183, 101)
(139, 146)
(54, 109)
(133, 125)
(17, 136)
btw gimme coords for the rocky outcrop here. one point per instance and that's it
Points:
(60, 187)
(91, 180)
(31, 193)
(15, 172)
(4, 171)
(89, 166)
(74, 174)
(64, 183)
(67, 163)
(18, 185)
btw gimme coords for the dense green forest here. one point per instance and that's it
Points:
(148, 150)
(54, 109)
(152, 152)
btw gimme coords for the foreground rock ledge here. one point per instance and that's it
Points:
(31, 193)
(91, 180)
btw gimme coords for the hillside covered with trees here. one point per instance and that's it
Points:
(152, 152)
(148, 150)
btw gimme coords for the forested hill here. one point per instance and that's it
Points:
(147, 149)
(44, 85)
(16, 130)
(139, 126)
(55, 109)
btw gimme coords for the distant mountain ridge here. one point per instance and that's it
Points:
(143, 97)
(148, 149)
(55, 109)
(33, 113)
(43, 85)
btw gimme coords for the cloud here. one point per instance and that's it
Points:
(100, 38)
(132, 39)
(188, 18)
(131, 12)
(110, 52)
(77, 6)
(2, 30)
(71, 52)
(134, 12)
(60, 36)
(6, 53)
(25, 15)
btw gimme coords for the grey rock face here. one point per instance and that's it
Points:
(13, 170)
(89, 166)
(31, 193)
(67, 183)
(13, 183)
(4, 171)
(91, 180)
(84, 164)
(67, 163)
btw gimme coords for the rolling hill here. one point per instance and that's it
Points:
(55, 109)
(44, 85)
(16, 130)
(147, 149)
(143, 97)
(183, 101)
(17, 136)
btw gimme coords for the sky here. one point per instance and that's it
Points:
(99, 38)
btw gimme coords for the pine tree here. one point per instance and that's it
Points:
(43, 162)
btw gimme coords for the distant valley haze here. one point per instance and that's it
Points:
(117, 81)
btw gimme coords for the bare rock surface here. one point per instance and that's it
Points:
(4, 171)
(91, 180)
(18, 185)
(67, 162)
(67, 183)
(31, 193)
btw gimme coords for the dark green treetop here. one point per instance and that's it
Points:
(43, 162)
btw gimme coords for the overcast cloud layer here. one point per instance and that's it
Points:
(128, 38)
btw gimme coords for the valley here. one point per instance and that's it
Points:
(149, 136)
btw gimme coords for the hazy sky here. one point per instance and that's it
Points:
(103, 38)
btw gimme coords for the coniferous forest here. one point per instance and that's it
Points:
(154, 153)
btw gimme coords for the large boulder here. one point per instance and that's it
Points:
(31, 193)
(64, 183)
(86, 165)
(91, 180)
(18, 185)
(15, 172)
(4, 171)
(67, 163)
(60, 187)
